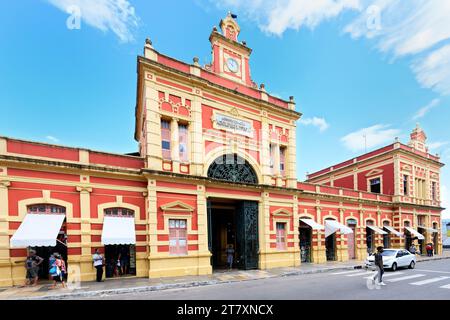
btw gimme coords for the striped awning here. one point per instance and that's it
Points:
(415, 233)
(118, 230)
(331, 226)
(37, 230)
(314, 225)
(377, 230)
(392, 230)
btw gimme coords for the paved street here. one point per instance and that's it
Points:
(430, 280)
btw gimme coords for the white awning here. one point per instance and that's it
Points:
(331, 226)
(37, 230)
(429, 229)
(118, 230)
(392, 230)
(314, 225)
(415, 233)
(377, 230)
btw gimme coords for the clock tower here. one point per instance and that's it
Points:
(230, 58)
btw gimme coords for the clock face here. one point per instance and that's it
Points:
(233, 65)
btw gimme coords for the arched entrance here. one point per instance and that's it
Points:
(120, 253)
(233, 223)
(232, 168)
(305, 235)
(351, 223)
(46, 252)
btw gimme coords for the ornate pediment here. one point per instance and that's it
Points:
(406, 168)
(374, 172)
(234, 112)
(177, 206)
(282, 213)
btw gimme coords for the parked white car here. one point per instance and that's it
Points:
(393, 259)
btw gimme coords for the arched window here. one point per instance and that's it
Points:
(233, 168)
(119, 212)
(46, 209)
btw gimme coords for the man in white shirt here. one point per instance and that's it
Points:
(99, 261)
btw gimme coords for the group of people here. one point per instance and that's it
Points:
(428, 248)
(115, 267)
(57, 269)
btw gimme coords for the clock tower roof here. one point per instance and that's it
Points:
(230, 58)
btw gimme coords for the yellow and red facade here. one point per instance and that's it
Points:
(224, 112)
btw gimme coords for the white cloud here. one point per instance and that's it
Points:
(276, 16)
(116, 15)
(437, 144)
(424, 110)
(370, 137)
(52, 138)
(420, 30)
(320, 123)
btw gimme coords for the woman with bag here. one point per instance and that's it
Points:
(55, 270)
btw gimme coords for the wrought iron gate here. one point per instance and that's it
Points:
(247, 235)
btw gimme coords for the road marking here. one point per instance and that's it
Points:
(346, 272)
(447, 286)
(419, 283)
(388, 275)
(406, 278)
(359, 274)
(424, 270)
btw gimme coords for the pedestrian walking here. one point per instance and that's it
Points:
(62, 265)
(379, 267)
(230, 256)
(98, 264)
(32, 266)
(55, 270)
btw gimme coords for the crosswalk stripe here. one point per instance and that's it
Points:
(346, 272)
(406, 278)
(447, 286)
(388, 275)
(359, 274)
(419, 283)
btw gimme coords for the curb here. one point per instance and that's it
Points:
(193, 284)
(177, 285)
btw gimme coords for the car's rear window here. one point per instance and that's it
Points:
(387, 253)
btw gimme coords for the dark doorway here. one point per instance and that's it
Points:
(422, 241)
(120, 260)
(330, 246)
(305, 234)
(370, 240)
(408, 240)
(233, 223)
(46, 252)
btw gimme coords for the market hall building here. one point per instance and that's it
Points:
(216, 168)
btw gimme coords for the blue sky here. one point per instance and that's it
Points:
(355, 67)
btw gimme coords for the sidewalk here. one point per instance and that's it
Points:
(134, 285)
